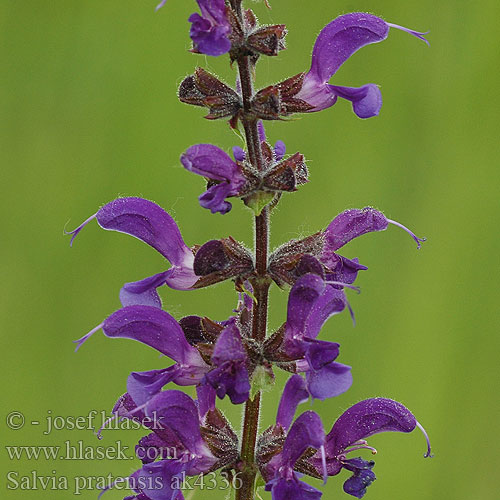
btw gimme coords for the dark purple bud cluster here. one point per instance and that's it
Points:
(236, 357)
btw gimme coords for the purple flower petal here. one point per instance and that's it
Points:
(206, 399)
(230, 375)
(294, 393)
(366, 100)
(303, 297)
(336, 42)
(214, 199)
(153, 327)
(351, 224)
(210, 31)
(161, 4)
(343, 270)
(362, 478)
(341, 38)
(279, 150)
(307, 431)
(210, 161)
(292, 489)
(148, 222)
(156, 480)
(329, 381)
(178, 412)
(143, 386)
(319, 353)
(331, 301)
(366, 418)
(143, 292)
(239, 154)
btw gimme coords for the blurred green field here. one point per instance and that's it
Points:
(89, 112)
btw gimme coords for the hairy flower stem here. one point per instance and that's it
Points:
(260, 283)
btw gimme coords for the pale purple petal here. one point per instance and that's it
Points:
(143, 292)
(418, 34)
(279, 150)
(239, 154)
(294, 393)
(161, 4)
(366, 100)
(330, 381)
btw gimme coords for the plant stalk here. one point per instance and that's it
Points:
(260, 283)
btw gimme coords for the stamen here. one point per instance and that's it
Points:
(347, 285)
(351, 312)
(107, 488)
(416, 238)
(84, 339)
(362, 447)
(323, 463)
(109, 420)
(79, 228)
(428, 453)
(417, 34)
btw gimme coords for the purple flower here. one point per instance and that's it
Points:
(211, 162)
(336, 42)
(157, 329)
(148, 222)
(228, 178)
(348, 434)
(178, 444)
(345, 227)
(230, 375)
(310, 304)
(307, 431)
(210, 31)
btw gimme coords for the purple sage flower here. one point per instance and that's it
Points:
(348, 434)
(311, 302)
(345, 227)
(210, 31)
(336, 42)
(230, 375)
(176, 442)
(211, 162)
(157, 329)
(306, 432)
(148, 222)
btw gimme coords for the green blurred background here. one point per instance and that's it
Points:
(89, 113)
